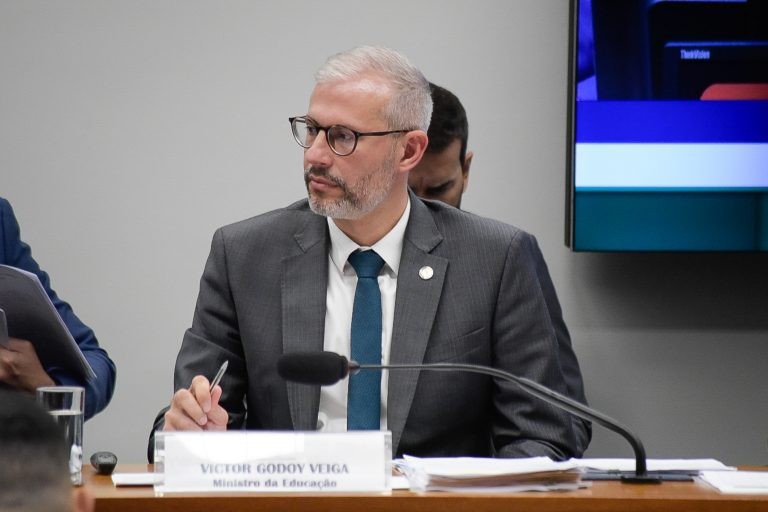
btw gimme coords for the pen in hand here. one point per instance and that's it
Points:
(219, 375)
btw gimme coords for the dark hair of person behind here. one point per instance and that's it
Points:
(449, 121)
(34, 457)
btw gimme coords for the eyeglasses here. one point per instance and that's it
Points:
(341, 140)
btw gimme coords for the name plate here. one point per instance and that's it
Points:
(255, 461)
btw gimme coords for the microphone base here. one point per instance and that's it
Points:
(640, 479)
(630, 477)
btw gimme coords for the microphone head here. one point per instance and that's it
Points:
(317, 368)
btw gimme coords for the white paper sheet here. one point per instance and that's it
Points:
(737, 482)
(135, 479)
(655, 464)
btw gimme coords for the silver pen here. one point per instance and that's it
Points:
(219, 375)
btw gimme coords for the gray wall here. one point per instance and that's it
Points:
(130, 130)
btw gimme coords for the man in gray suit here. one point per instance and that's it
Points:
(455, 287)
(443, 174)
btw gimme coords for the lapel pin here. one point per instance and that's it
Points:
(426, 273)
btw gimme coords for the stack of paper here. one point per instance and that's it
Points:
(467, 474)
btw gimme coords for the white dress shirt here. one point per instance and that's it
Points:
(340, 297)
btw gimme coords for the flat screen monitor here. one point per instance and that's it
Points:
(668, 126)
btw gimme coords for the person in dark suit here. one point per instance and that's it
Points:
(442, 175)
(19, 365)
(455, 287)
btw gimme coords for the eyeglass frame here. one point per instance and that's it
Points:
(327, 128)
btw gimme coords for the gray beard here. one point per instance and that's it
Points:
(344, 208)
(353, 204)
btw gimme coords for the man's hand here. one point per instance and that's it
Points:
(196, 408)
(21, 368)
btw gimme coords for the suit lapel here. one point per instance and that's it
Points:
(304, 287)
(304, 283)
(415, 307)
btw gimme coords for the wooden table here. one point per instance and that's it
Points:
(600, 497)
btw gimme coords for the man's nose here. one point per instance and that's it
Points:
(319, 153)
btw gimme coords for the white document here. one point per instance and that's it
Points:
(737, 482)
(135, 479)
(399, 483)
(474, 474)
(688, 465)
(481, 466)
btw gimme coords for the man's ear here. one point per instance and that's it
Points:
(414, 146)
(82, 499)
(465, 168)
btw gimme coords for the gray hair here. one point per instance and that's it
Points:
(411, 104)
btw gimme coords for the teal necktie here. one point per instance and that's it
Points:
(363, 402)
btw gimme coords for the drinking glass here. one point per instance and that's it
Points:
(65, 404)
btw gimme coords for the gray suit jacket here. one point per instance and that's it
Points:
(490, 302)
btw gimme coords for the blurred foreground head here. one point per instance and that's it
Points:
(34, 460)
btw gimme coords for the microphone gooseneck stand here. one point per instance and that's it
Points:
(640, 476)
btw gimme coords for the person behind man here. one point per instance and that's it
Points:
(34, 460)
(454, 287)
(443, 172)
(20, 366)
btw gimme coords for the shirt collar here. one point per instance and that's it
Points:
(390, 247)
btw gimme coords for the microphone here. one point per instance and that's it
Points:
(317, 368)
(326, 368)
